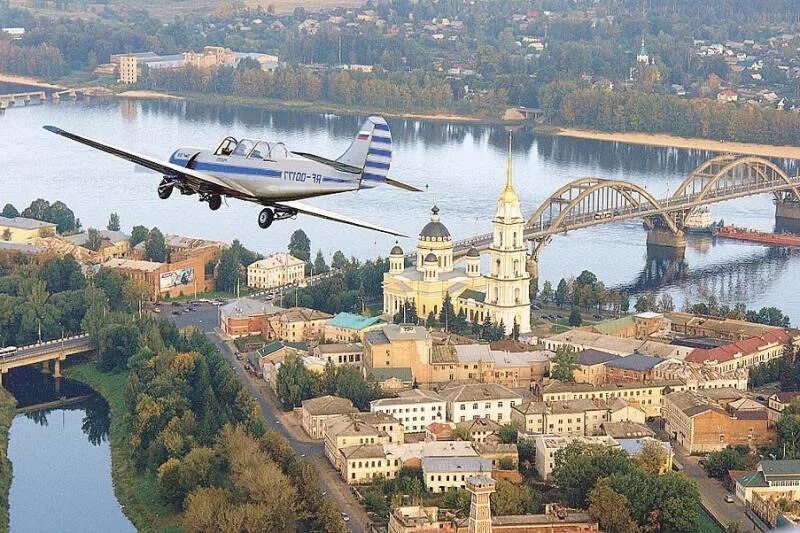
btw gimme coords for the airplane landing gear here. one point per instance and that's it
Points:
(265, 218)
(214, 202)
(165, 189)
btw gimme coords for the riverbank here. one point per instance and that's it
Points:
(136, 492)
(27, 80)
(149, 95)
(8, 407)
(689, 143)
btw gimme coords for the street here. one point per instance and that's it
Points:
(204, 317)
(712, 495)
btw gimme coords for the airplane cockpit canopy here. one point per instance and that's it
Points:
(269, 151)
(244, 148)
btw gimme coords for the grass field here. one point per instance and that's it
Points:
(135, 491)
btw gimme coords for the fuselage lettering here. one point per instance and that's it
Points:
(301, 177)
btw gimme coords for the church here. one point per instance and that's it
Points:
(502, 294)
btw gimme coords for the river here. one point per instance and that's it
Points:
(61, 460)
(461, 168)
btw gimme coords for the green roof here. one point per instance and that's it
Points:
(267, 349)
(351, 321)
(382, 374)
(478, 296)
(609, 327)
(752, 479)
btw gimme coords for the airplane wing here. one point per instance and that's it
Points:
(306, 209)
(192, 176)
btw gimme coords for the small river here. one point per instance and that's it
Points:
(61, 460)
(461, 167)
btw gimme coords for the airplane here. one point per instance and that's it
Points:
(268, 173)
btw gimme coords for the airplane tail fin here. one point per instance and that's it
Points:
(371, 150)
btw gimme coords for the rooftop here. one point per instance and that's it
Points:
(477, 425)
(24, 223)
(246, 307)
(456, 464)
(329, 405)
(555, 386)
(112, 236)
(341, 347)
(420, 450)
(401, 373)
(780, 467)
(404, 332)
(738, 349)
(635, 362)
(352, 321)
(627, 430)
(590, 357)
(133, 264)
(478, 391)
(413, 396)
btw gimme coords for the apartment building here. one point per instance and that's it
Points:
(479, 400)
(415, 409)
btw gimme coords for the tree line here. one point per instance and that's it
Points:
(635, 111)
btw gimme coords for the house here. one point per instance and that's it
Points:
(441, 474)
(353, 429)
(439, 431)
(622, 410)
(710, 420)
(341, 353)
(415, 409)
(573, 418)
(299, 324)
(772, 480)
(698, 377)
(363, 463)
(274, 271)
(647, 395)
(743, 353)
(21, 229)
(634, 367)
(479, 429)
(479, 400)
(778, 402)
(315, 411)
(245, 317)
(502, 362)
(112, 243)
(348, 327)
(399, 346)
(591, 366)
(498, 453)
(727, 96)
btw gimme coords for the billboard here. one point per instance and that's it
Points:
(177, 278)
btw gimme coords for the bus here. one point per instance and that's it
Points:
(7, 351)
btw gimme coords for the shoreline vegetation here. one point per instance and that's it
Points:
(137, 493)
(8, 405)
(662, 140)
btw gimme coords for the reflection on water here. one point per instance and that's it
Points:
(61, 459)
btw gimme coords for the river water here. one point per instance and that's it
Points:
(61, 460)
(460, 167)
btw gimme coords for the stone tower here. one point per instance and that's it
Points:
(480, 514)
(508, 280)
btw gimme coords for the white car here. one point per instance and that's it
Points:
(345, 517)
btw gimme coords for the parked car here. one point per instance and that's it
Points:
(729, 498)
(176, 312)
(345, 517)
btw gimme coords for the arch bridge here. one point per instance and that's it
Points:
(592, 201)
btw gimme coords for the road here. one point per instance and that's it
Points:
(204, 317)
(712, 496)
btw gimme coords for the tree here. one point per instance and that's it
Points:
(462, 433)
(547, 293)
(9, 211)
(562, 291)
(138, 234)
(447, 313)
(665, 303)
(510, 499)
(37, 209)
(93, 240)
(458, 500)
(508, 433)
(7, 234)
(575, 318)
(788, 429)
(295, 382)
(300, 245)
(578, 467)
(564, 363)
(610, 509)
(155, 248)
(652, 458)
(116, 343)
(113, 222)
(339, 261)
(514, 329)
(320, 267)
(228, 275)
(660, 503)
(645, 302)
(62, 216)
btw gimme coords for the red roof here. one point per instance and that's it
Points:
(733, 350)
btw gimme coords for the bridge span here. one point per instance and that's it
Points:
(56, 350)
(591, 201)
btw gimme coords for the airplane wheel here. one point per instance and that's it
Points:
(214, 202)
(164, 189)
(265, 218)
